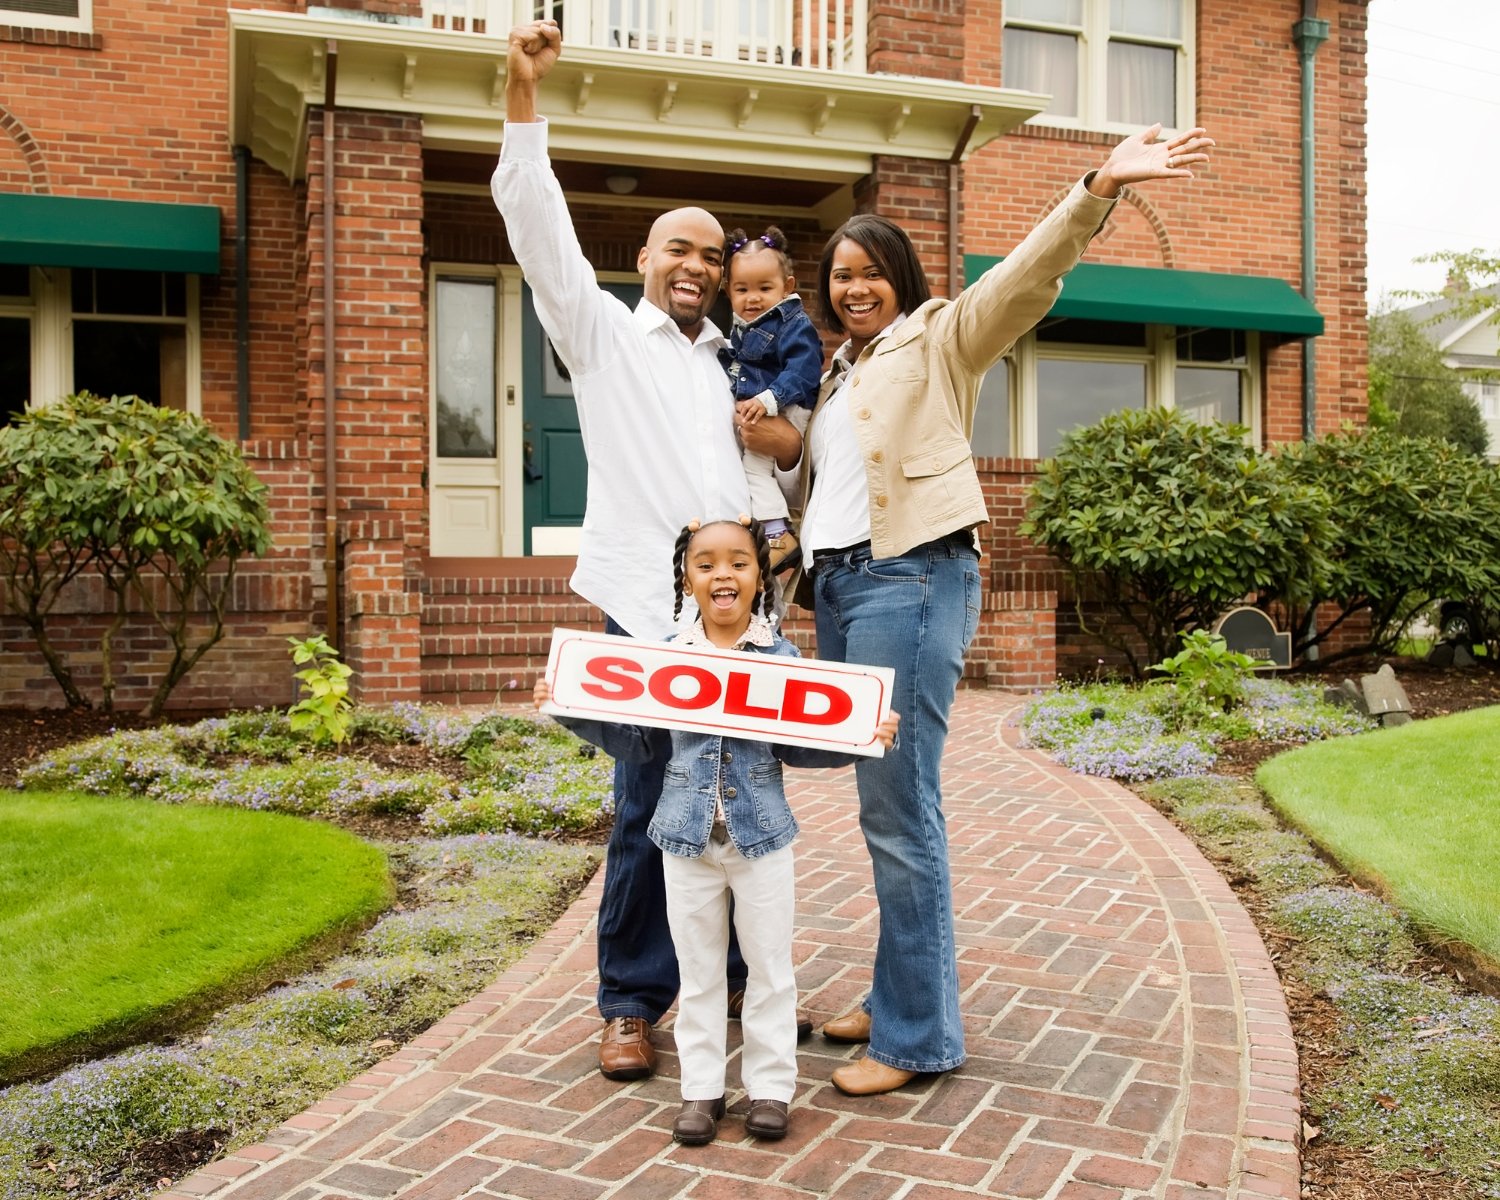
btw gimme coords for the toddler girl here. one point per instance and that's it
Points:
(725, 829)
(774, 360)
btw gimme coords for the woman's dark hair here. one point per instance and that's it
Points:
(765, 600)
(772, 239)
(886, 242)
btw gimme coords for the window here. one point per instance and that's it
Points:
(1107, 64)
(465, 365)
(1211, 375)
(76, 15)
(1487, 396)
(1069, 373)
(107, 332)
(15, 340)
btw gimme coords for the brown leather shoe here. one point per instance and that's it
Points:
(625, 1049)
(784, 548)
(737, 1007)
(870, 1078)
(766, 1120)
(698, 1122)
(851, 1027)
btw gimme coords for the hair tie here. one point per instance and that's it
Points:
(692, 525)
(737, 246)
(745, 519)
(766, 237)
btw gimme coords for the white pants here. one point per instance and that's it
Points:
(698, 891)
(767, 500)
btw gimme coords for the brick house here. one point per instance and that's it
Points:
(164, 170)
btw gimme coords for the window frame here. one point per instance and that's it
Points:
(1093, 38)
(24, 19)
(1158, 355)
(52, 324)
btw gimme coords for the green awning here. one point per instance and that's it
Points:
(1151, 295)
(70, 231)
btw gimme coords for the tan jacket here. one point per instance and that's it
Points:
(913, 392)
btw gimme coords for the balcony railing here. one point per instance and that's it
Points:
(818, 35)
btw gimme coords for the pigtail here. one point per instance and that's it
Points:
(766, 599)
(679, 566)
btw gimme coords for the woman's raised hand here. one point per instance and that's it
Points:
(1141, 157)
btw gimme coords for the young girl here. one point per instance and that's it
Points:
(725, 829)
(774, 360)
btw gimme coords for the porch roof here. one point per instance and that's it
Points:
(77, 231)
(1156, 296)
(605, 105)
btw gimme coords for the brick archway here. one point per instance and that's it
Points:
(31, 152)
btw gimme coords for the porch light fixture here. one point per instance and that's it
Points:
(621, 183)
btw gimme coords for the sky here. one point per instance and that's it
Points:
(1433, 136)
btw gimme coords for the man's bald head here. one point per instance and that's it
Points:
(683, 264)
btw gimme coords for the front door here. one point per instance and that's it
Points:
(554, 470)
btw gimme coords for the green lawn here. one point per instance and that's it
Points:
(1414, 810)
(118, 916)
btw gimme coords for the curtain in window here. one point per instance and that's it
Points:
(1142, 84)
(1043, 62)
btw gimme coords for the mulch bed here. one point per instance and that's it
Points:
(1329, 1172)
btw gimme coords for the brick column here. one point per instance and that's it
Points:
(381, 380)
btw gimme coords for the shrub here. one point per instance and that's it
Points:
(1205, 677)
(1170, 521)
(1415, 519)
(150, 499)
(323, 712)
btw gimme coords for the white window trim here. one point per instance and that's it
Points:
(1093, 58)
(1158, 356)
(52, 319)
(82, 23)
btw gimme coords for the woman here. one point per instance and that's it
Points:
(889, 553)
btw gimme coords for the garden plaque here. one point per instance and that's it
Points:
(1252, 633)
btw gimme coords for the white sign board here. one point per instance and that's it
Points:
(735, 693)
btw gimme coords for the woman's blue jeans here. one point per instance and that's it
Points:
(916, 613)
(637, 962)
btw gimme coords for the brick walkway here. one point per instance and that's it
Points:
(1126, 1033)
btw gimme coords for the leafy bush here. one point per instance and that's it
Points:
(1205, 676)
(1415, 519)
(1170, 522)
(150, 499)
(323, 711)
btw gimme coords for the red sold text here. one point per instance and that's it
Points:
(803, 701)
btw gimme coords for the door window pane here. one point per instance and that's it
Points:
(15, 366)
(992, 420)
(465, 368)
(1142, 84)
(125, 358)
(1209, 395)
(1073, 394)
(1043, 62)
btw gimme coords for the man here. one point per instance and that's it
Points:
(657, 419)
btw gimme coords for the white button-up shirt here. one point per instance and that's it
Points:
(654, 409)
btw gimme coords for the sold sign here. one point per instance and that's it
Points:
(735, 693)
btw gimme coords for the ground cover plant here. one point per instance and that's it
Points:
(468, 901)
(1400, 1059)
(117, 918)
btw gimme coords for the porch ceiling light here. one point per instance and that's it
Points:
(621, 183)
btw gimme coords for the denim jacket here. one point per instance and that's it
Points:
(744, 775)
(779, 352)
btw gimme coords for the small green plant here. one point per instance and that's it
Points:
(1206, 674)
(324, 710)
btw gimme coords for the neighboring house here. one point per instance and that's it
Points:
(1470, 344)
(164, 230)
